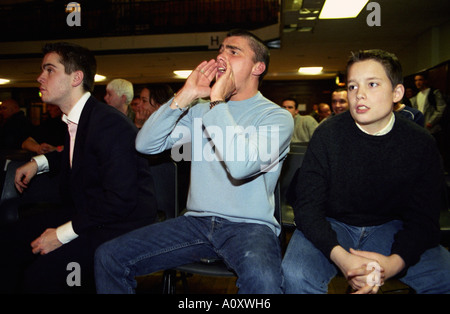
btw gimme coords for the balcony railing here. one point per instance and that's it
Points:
(44, 20)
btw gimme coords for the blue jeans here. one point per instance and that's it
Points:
(251, 250)
(307, 270)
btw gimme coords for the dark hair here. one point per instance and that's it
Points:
(160, 93)
(262, 53)
(388, 60)
(424, 75)
(290, 99)
(75, 58)
(339, 89)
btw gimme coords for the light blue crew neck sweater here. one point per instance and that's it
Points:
(236, 151)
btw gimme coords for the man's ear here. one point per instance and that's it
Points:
(259, 68)
(78, 77)
(399, 91)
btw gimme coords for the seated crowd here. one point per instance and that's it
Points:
(366, 199)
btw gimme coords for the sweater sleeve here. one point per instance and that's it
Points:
(158, 132)
(421, 218)
(309, 198)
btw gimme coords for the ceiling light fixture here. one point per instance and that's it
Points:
(182, 73)
(309, 18)
(4, 81)
(342, 9)
(310, 70)
(99, 78)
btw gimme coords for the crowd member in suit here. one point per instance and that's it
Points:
(368, 196)
(105, 184)
(16, 127)
(304, 126)
(230, 209)
(119, 94)
(49, 135)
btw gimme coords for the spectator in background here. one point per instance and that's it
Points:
(151, 98)
(315, 112)
(339, 101)
(409, 93)
(16, 127)
(49, 135)
(134, 103)
(119, 94)
(431, 103)
(304, 126)
(410, 113)
(324, 112)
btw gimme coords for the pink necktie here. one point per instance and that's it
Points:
(72, 132)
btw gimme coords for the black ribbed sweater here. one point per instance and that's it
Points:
(365, 180)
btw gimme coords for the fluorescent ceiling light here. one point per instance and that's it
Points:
(305, 29)
(310, 70)
(309, 18)
(342, 9)
(4, 81)
(99, 78)
(182, 73)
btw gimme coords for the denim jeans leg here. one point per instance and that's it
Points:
(253, 251)
(305, 268)
(432, 273)
(149, 249)
(379, 238)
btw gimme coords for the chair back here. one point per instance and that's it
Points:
(9, 201)
(299, 147)
(291, 164)
(165, 179)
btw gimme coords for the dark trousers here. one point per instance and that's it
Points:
(24, 272)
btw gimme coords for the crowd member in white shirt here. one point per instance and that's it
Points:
(430, 102)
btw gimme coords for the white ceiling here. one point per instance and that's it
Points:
(328, 45)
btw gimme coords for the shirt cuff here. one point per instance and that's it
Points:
(42, 163)
(65, 233)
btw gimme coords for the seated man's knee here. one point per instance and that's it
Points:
(104, 255)
(258, 276)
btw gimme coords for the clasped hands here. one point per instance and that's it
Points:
(353, 265)
(198, 84)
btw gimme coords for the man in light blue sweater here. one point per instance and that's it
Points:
(237, 142)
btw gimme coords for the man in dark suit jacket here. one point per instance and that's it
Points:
(105, 184)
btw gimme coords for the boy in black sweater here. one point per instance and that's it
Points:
(368, 196)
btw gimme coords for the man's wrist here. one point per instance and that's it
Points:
(65, 233)
(214, 103)
(397, 264)
(182, 100)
